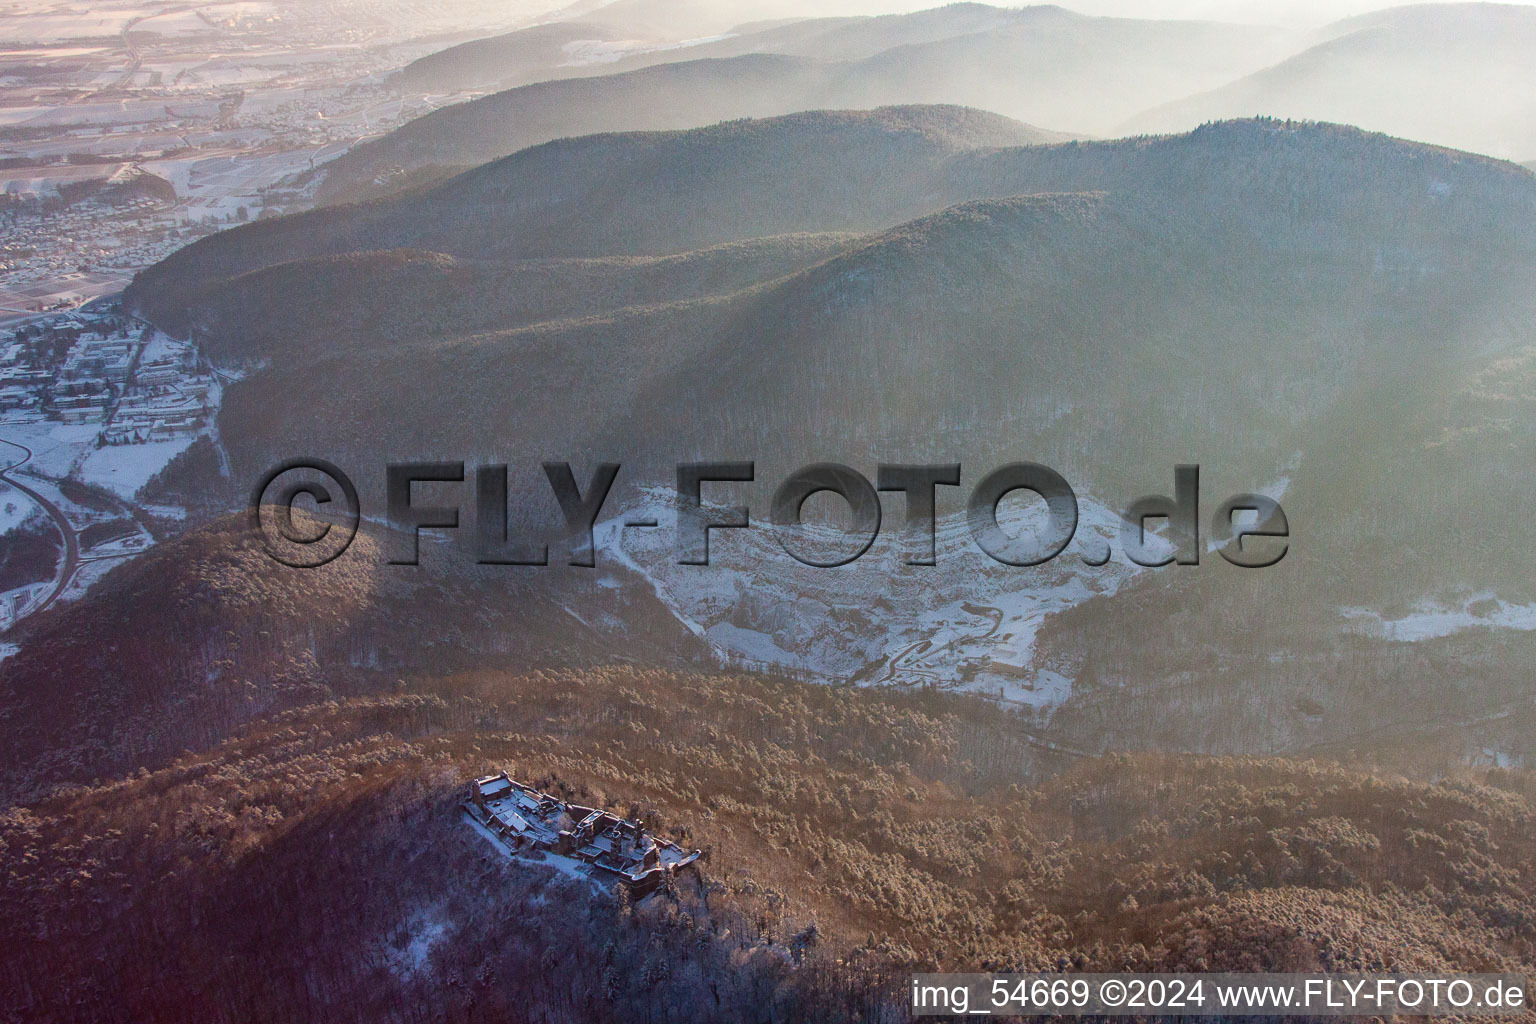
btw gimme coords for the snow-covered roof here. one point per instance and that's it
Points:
(512, 819)
(493, 785)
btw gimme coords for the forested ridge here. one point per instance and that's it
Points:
(1335, 314)
(177, 650)
(316, 865)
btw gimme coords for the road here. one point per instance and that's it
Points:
(60, 520)
(924, 647)
(898, 664)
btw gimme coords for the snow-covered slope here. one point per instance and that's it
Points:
(968, 621)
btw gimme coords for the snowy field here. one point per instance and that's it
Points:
(216, 187)
(15, 507)
(58, 449)
(125, 469)
(54, 23)
(69, 450)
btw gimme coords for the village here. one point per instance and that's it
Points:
(75, 232)
(94, 404)
(116, 151)
(108, 370)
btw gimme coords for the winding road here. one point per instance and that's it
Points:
(924, 647)
(60, 520)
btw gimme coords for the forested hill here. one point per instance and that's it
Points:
(850, 837)
(624, 194)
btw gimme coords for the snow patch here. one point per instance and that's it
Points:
(1431, 620)
(426, 932)
(124, 469)
(15, 508)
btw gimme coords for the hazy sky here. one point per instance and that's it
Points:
(1296, 12)
(1288, 12)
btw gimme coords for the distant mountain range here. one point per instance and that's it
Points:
(1042, 38)
(1042, 65)
(672, 96)
(1449, 74)
(1454, 74)
(1334, 314)
(1130, 249)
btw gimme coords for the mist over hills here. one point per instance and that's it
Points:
(1400, 619)
(1294, 245)
(626, 194)
(518, 58)
(603, 42)
(1303, 303)
(1038, 35)
(684, 95)
(1043, 65)
(678, 19)
(1453, 74)
(665, 193)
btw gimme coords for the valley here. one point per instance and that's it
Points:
(126, 137)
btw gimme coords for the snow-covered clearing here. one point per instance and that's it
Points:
(969, 621)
